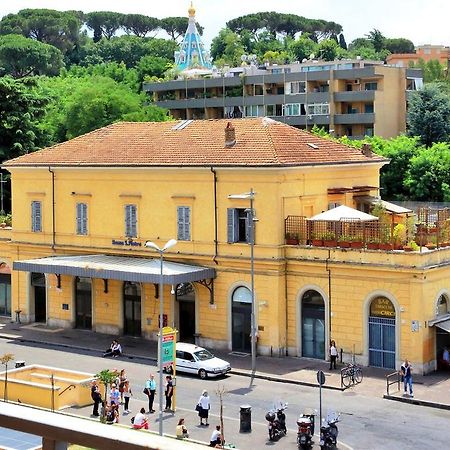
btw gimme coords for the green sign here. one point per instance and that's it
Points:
(168, 349)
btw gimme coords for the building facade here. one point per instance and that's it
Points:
(355, 98)
(83, 210)
(425, 53)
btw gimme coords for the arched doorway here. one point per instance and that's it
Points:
(83, 303)
(382, 333)
(40, 301)
(5, 290)
(442, 336)
(241, 312)
(313, 325)
(185, 297)
(131, 308)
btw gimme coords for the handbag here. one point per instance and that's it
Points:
(145, 391)
(198, 407)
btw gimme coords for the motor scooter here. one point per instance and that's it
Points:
(277, 422)
(329, 432)
(305, 431)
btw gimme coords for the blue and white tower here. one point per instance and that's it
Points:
(192, 53)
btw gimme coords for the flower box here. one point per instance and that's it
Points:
(317, 242)
(330, 243)
(356, 244)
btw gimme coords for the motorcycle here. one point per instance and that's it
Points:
(329, 433)
(305, 431)
(277, 422)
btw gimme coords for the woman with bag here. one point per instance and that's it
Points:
(203, 407)
(122, 379)
(126, 395)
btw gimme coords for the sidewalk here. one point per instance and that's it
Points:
(433, 389)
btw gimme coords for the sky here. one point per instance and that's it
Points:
(421, 21)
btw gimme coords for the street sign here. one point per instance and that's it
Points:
(320, 377)
(168, 349)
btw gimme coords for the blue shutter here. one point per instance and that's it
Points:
(130, 221)
(184, 223)
(36, 216)
(232, 225)
(247, 227)
(78, 218)
(180, 223)
(133, 221)
(84, 218)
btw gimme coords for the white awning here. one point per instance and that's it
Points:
(391, 207)
(140, 270)
(442, 322)
(341, 213)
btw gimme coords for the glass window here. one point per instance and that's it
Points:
(373, 86)
(259, 89)
(130, 221)
(317, 109)
(292, 109)
(368, 108)
(242, 295)
(254, 111)
(81, 219)
(442, 306)
(295, 87)
(36, 216)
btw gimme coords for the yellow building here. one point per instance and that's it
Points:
(83, 210)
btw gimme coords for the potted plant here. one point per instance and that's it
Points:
(344, 241)
(399, 236)
(317, 240)
(373, 243)
(292, 238)
(411, 246)
(329, 239)
(430, 245)
(356, 242)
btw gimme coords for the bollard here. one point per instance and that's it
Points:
(245, 424)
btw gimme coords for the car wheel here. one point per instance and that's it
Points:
(202, 374)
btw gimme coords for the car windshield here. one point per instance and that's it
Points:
(203, 355)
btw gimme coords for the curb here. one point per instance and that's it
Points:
(242, 373)
(413, 401)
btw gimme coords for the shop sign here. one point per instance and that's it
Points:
(382, 307)
(126, 242)
(168, 347)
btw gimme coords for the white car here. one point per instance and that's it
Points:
(198, 360)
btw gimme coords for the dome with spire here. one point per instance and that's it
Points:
(192, 53)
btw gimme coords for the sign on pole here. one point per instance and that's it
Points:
(169, 358)
(320, 380)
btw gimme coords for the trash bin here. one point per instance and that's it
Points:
(245, 419)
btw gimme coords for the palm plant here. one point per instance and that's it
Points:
(5, 359)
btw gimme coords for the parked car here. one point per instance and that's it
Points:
(197, 360)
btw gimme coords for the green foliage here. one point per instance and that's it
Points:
(328, 49)
(139, 25)
(104, 23)
(429, 172)
(399, 45)
(152, 66)
(21, 57)
(6, 218)
(80, 105)
(377, 39)
(21, 109)
(227, 48)
(303, 48)
(432, 70)
(61, 29)
(342, 42)
(429, 115)
(175, 27)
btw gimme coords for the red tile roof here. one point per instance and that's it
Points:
(260, 142)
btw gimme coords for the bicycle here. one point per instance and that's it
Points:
(351, 374)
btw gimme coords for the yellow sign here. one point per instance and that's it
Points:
(382, 307)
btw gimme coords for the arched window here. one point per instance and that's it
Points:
(242, 295)
(442, 305)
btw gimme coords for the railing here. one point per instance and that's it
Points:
(389, 381)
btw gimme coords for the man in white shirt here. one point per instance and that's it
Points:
(216, 438)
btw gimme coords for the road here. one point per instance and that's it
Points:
(366, 422)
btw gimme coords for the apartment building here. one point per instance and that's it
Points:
(425, 52)
(355, 98)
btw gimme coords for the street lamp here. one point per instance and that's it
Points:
(161, 252)
(251, 219)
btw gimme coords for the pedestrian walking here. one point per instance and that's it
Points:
(96, 397)
(126, 395)
(150, 391)
(406, 372)
(121, 383)
(204, 406)
(333, 355)
(169, 392)
(181, 430)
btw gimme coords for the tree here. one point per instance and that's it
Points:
(21, 109)
(328, 50)
(429, 173)
(428, 115)
(5, 359)
(432, 70)
(226, 48)
(139, 25)
(303, 48)
(61, 29)
(105, 377)
(21, 57)
(104, 23)
(175, 27)
(152, 66)
(342, 42)
(399, 45)
(378, 40)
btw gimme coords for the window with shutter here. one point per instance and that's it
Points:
(184, 223)
(232, 225)
(36, 216)
(81, 211)
(130, 221)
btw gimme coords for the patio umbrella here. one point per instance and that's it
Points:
(341, 213)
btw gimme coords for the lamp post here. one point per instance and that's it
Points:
(251, 235)
(161, 252)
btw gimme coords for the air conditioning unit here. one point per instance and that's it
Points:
(357, 81)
